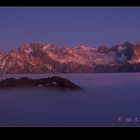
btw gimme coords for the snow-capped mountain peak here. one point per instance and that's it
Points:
(46, 58)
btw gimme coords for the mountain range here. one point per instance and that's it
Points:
(35, 58)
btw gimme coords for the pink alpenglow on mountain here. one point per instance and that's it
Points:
(49, 58)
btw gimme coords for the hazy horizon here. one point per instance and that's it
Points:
(68, 26)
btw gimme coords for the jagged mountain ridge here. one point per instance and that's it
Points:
(49, 58)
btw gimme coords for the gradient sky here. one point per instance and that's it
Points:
(68, 26)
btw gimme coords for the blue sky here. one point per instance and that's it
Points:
(68, 26)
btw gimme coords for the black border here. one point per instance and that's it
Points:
(70, 3)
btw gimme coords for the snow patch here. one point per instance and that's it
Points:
(120, 48)
(39, 85)
(46, 46)
(29, 50)
(122, 58)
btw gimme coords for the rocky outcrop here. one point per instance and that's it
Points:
(56, 81)
(103, 49)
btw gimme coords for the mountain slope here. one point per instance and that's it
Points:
(49, 58)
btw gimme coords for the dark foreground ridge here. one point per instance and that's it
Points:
(54, 81)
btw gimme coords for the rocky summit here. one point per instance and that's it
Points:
(34, 58)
